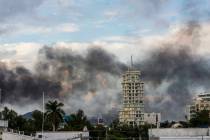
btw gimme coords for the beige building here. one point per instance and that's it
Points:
(132, 112)
(152, 118)
(200, 102)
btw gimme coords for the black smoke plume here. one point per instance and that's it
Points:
(89, 81)
(20, 86)
(183, 73)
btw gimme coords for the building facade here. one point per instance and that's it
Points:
(200, 102)
(152, 118)
(132, 112)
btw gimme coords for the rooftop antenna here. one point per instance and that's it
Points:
(131, 61)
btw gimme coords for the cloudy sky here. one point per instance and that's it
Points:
(28, 24)
(120, 27)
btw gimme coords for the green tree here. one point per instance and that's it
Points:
(77, 121)
(55, 113)
(37, 118)
(119, 131)
(200, 119)
(9, 115)
(20, 123)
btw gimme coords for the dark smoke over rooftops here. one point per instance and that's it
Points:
(173, 73)
(91, 81)
(19, 86)
(185, 74)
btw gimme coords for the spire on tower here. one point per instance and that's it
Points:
(131, 62)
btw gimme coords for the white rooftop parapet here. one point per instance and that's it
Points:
(15, 136)
(4, 123)
(63, 135)
(178, 132)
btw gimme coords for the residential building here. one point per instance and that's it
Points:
(132, 112)
(3, 126)
(200, 102)
(152, 118)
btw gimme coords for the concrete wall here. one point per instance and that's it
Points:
(179, 132)
(185, 138)
(76, 135)
(15, 136)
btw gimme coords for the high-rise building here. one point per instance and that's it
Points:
(132, 112)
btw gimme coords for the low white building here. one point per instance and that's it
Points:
(3, 124)
(15, 136)
(63, 135)
(58, 135)
(179, 134)
(152, 118)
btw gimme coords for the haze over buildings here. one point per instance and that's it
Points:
(76, 51)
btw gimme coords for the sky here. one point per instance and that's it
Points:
(50, 21)
(28, 24)
(120, 27)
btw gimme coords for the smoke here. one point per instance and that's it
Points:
(20, 86)
(172, 73)
(175, 72)
(89, 81)
(174, 76)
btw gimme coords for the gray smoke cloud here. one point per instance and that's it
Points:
(20, 86)
(184, 73)
(89, 81)
(175, 73)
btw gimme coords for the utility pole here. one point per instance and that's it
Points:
(106, 133)
(81, 138)
(43, 116)
(139, 137)
(1, 98)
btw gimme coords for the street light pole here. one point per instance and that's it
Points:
(106, 133)
(43, 116)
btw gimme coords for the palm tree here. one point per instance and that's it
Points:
(10, 115)
(54, 113)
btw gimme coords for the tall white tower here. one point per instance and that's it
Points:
(132, 112)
